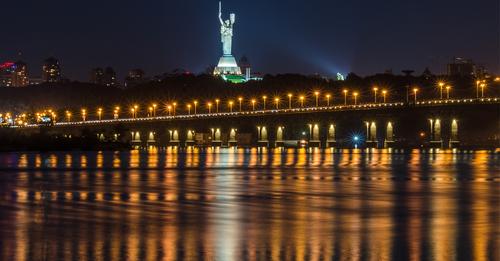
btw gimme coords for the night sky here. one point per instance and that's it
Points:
(306, 36)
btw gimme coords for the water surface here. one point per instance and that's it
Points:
(237, 204)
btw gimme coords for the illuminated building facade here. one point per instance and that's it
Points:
(20, 74)
(51, 70)
(6, 72)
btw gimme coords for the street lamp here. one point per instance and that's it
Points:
(175, 105)
(264, 98)
(355, 94)
(231, 106)
(169, 108)
(415, 90)
(154, 109)
(68, 116)
(150, 109)
(99, 112)
(301, 101)
(478, 82)
(483, 85)
(448, 92)
(253, 104)
(195, 105)
(317, 98)
(209, 107)
(135, 111)
(217, 105)
(117, 112)
(240, 100)
(384, 94)
(84, 114)
(277, 101)
(441, 84)
(189, 109)
(328, 100)
(375, 90)
(290, 101)
(345, 97)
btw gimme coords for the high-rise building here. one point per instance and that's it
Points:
(97, 76)
(109, 77)
(51, 70)
(461, 67)
(20, 74)
(134, 78)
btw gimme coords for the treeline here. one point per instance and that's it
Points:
(186, 88)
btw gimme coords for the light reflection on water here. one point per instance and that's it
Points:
(249, 204)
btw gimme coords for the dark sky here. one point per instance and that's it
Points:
(306, 36)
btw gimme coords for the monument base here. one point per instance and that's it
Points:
(227, 65)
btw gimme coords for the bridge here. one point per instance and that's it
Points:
(432, 123)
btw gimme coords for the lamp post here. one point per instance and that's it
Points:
(277, 101)
(68, 116)
(189, 109)
(483, 85)
(209, 107)
(150, 109)
(169, 109)
(217, 105)
(195, 106)
(154, 109)
(174, 106)
(441, 84)
(355, 94)
(448, 88)
(301, 101)
(328, 100)
(264, 98)
(384, 94)
(231, 106)
(240, 100)
(290, 101)
(253, 104)
(84, 114)
(415, 91)
(135, 111)
(478, 82)
(117, 112)
(99, 113)
(132, 111)
(317, 98)
(345, 97)
(375, 90)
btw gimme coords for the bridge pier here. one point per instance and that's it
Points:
(389, 135)
(262, 137)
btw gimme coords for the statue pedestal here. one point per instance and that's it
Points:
(227, 65)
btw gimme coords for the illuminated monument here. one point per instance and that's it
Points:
(227, 64)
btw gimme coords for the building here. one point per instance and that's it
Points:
(51, 71)
(97, 76)
(134, 78)
(6, 72)
(109, 78)
(20, 75)
(461, 67)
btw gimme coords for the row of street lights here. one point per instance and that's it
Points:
(192, 108)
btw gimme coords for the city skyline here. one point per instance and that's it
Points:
(348, 41)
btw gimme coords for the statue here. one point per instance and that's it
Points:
(227, 64)
(226, 31)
